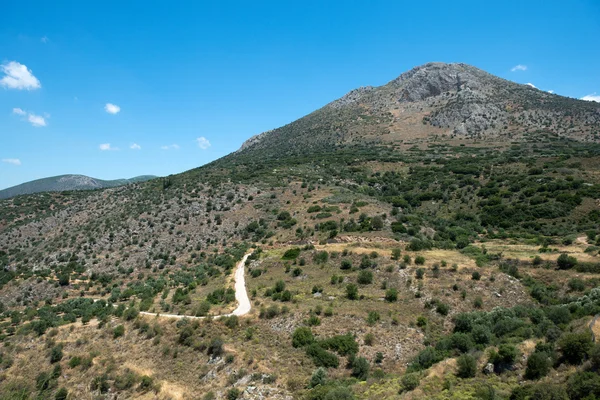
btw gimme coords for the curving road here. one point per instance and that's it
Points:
(241, 296)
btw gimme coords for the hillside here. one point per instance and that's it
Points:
(394, 254)
(67, 182)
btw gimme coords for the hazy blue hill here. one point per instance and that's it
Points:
(67, 182)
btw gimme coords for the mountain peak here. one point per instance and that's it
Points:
(454, 100)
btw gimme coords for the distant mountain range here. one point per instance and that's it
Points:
(67, 182)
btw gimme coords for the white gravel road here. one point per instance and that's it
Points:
(241, 296)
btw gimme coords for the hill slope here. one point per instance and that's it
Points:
(391, 258)
(67, 182)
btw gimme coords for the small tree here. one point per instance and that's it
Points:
(565, 261)
(118, 331)
(409, 382)
(594, 355)
(302, 336)
(396, 254)
(365, 277)
(360, 368)
(56, 354)
(467, 366)
(538, 365)
(319, 377)
(61, 394)
(233, 394)
(377, 223)
(504, 358)
(391, 295)
(346, 264)
(373, 318)
(215, 348)
(352, 291)
(575, 346)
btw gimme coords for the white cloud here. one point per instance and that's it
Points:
(592, 97)
(33, 119)
(519, 67)
(170, 147)
(18, 76)
(112, 108)
(36, 120)
(13, 161)
(135, 146)
(45, 39)
(107, 147)
(203, 142)
(551, 91)
(531, 84)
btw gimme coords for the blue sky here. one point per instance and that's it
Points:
(191, 80)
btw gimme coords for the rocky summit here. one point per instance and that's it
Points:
(438, 99)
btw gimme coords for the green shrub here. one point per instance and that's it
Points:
(410, 382)
(542, 391)
(43, 381)
(319, 377)
(391, 295)
(373, 317)
(426, 358)
(504, 358)
(342, 344)
(233, 394)
(576, 285)
(321, 257)
(575, 346)
(419, 260)
(215, 348)
(279, 286)
(321, 357)
(231, 321)
(56, 353)
(360, 368)
(352, 291)
(538, 365)
(302, 336)
(583, 385)
(467, 366)
(146, 382)
(118, 331)
(61, 394)
(565, 261)
(291, 254)
(339, 393)
(442, 308)
(594, 356)
(365, 277)
(74, 362)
